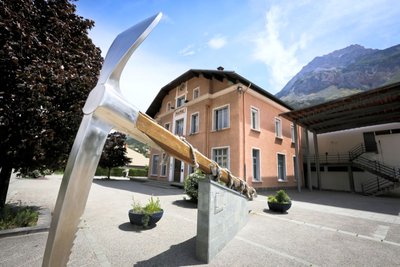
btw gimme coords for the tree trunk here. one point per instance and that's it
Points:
(109, 173)
(5, 175)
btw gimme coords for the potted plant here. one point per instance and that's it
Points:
(279, 202)
(147, 215)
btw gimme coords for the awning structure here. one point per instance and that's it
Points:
(373, 107)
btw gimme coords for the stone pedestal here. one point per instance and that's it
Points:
(221, 214)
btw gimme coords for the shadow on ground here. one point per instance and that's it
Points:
(128, 227)
(275, 212)
(182, 254)
(148, 188)
(183, 203)
(385, 205)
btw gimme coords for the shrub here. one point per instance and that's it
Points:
(14, 217)
(280, 197)
(191, 184)
(138, 172)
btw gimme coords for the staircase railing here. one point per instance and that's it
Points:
(378, 168)
(356, 151)
(376, 185)
(326, 158)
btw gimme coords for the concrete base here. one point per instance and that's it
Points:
(221, 213)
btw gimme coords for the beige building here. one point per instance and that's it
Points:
(230, 120)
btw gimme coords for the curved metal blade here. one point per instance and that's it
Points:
(111, 111)
(123, 47)
(117, 56)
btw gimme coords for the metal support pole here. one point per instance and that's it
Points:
(317, 167)
(309, 182)
(296, 148)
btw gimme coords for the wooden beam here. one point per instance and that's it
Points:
(180, 149)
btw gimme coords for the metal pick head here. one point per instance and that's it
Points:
(104, 110)
(117, 56)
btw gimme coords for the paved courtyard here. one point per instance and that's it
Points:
(321, 229)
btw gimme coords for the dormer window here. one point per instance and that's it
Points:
(196, 93)
(180, 101)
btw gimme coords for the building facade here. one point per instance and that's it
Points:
(229, 120)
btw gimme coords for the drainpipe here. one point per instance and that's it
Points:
(207, 130)
(242, 91)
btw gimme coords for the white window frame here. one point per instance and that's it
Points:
(228, 158)
(259, 164)
(190, 169)
(196, 130)
(155, 164)
(195, 96)
(255, 125)
(183, 126)
(278, 130)
(164, 165)
(284, 169)
(214, 119)
(183, 97)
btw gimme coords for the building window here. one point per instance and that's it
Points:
(294, 167)
(255, 119)
(167, 125)
(164, 165)
(281, 167)
(154, 164)
(179, 127)
(292, 133)
(196, 92)
(180, 101)
(278, 128)
(168, 106)
(221, 156)
(190, 169)
(221, 118)
(256, 164)
(194, 123)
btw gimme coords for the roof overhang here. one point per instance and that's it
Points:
(219, 75)
(373, 107)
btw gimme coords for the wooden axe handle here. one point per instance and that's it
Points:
(176, 147)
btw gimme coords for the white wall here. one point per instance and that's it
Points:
(389, 149)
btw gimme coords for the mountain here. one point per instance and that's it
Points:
(341, 73)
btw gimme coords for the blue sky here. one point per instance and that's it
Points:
(267, 42)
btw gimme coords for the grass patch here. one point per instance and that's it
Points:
(14, 216)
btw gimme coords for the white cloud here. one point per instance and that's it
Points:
(217, 42)
(278, 55)
(187, 51)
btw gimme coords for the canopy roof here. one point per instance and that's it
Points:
(373, 107)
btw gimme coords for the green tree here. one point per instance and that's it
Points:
(114, 152)
(48, 65)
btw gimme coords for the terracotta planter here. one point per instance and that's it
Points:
(138, 218)
(279, 207)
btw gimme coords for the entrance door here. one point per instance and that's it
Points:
(369, 142)
(177, 170)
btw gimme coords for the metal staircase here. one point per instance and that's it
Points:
(387, 178)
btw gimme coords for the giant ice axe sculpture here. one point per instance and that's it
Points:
(104, 110)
